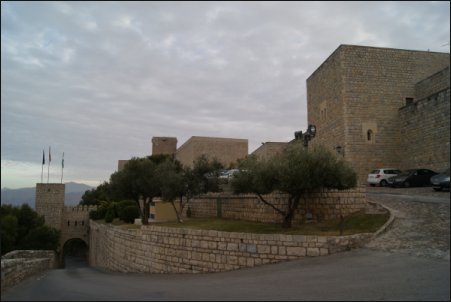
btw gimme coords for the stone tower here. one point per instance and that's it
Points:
(50, 203)
(164, 145)
(354, 99)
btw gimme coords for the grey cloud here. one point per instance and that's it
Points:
(99, 79)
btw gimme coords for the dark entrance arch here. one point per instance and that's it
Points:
(75, 253)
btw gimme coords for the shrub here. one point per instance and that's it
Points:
(97, 214)
(129, 213)
(109, 216)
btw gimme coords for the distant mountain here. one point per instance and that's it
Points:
(74, 192)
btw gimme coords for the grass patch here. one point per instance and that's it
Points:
(353, 224)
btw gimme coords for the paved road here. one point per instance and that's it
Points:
(409, 262)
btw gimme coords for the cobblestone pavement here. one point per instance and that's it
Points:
(422, 221)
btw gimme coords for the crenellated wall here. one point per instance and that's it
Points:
(75, 223)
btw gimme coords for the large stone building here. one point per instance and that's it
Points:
(382, 107)
(226, 150)
(269, 149)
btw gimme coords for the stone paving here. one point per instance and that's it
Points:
(422, 222)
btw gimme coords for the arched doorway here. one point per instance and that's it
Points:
(75, 253)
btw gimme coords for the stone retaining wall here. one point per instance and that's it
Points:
(324, 205)
(157, 249)
(20, 264)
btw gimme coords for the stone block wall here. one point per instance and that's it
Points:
(75, 223)
(269, 149)
(225, 150)
(20, 264)
(425, 125)
(50, 203)
(164, 145)
(354, 97)
(156, 249)
(324, 205)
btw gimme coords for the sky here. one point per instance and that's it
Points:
(98, 80)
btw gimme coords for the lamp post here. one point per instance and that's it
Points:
(307, 136)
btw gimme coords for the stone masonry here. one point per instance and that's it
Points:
(225, 150)
(425, 130)
(156, 249)
(324, 205)
(73, 222)
(354, 96)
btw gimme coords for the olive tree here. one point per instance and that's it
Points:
(183, 183)
(296, 172)
(139, 180)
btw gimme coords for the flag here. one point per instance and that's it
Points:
(50, 156)
(62, 162)
(43, 157)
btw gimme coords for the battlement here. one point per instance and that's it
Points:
(82, 208)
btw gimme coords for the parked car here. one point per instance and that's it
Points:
(380, 176)
(440, 181)
(412, 178)
(228, 173)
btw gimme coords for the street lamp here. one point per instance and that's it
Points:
(308, 135)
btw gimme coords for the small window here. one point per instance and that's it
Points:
(409, 101)
(369, 135)
(75, 223)
(82, 222)
(68, 223)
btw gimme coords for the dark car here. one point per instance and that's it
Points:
(412, 178)
(440, 181)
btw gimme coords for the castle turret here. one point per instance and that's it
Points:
(50, 203)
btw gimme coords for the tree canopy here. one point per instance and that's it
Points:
(296, 171)
(23, 228)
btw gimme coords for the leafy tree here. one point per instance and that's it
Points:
(94, 196)
(23, 228)
(8, 233)
(183, 184)
(42, 237)
(139, 180)
(296, 172)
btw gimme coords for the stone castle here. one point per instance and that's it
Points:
(375, 107)
(382, 107)
(73, 222)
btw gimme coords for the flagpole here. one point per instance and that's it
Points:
(48, 169)
(62, 168)
(43, 163)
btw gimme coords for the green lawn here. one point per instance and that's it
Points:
(353, 224)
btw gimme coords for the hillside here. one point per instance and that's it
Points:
(73, 194)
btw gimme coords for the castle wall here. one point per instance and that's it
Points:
(164, 145)
(225, 150)
(156, 249)
(50, 203)
(269, 149)
(425, 125)
(75, 223)
(373, 84)
(324, 205)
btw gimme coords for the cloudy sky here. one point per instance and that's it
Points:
(97, 80)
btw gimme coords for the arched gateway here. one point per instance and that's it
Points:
(72, 221)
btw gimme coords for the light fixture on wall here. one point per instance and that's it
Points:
(308, 135)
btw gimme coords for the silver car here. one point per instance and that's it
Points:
(379, 177)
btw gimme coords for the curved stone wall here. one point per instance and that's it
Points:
(157, 249)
